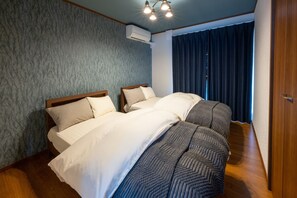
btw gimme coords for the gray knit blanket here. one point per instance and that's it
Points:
(188, 161)
(211, 114)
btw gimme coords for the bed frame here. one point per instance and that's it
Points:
(61, 101)
(123, 98)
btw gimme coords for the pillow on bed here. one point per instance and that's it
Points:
(70, 114)
(133, 96)
(101, 105)
(148, 92)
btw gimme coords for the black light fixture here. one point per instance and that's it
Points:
(165, 6)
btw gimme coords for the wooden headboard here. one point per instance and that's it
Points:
(123, 98)
(68, 99)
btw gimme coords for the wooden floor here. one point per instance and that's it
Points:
(245, 176)
(244, 173)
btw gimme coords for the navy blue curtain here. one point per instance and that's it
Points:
(218, 64)
(189, 62)
(230, 68)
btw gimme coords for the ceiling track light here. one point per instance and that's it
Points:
(165, 6)
(147, 8)
(153, 16)
(169, 13)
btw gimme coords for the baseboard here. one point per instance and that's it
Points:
(20, 161)
(262, 162)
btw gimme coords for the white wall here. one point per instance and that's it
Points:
(262, 75)
(162, 82)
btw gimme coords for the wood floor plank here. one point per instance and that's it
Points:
(244, 176)
(15, 183)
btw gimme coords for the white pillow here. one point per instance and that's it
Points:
(101, 105)
(148, 92)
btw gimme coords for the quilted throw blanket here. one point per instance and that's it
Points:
(188, 161)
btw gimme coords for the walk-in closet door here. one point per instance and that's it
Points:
(278, 103)
(290, 97)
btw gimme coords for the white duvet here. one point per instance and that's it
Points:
(96, 164)
(178, 103)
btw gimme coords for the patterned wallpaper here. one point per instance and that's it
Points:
(51, 49)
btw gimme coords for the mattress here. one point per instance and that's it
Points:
(62, 140)
(143, 104)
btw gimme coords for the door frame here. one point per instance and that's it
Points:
(271, 96)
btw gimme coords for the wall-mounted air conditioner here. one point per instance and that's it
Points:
(135, 33)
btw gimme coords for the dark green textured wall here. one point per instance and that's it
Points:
(51, 49)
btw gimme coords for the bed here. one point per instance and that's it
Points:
(60, 141)
(147, 103)
(127, 157)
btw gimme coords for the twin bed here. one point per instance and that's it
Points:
(59, 141)
(145, 103)
(177, 147)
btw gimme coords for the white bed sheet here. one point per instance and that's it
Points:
(149, 103)
(62, 140)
